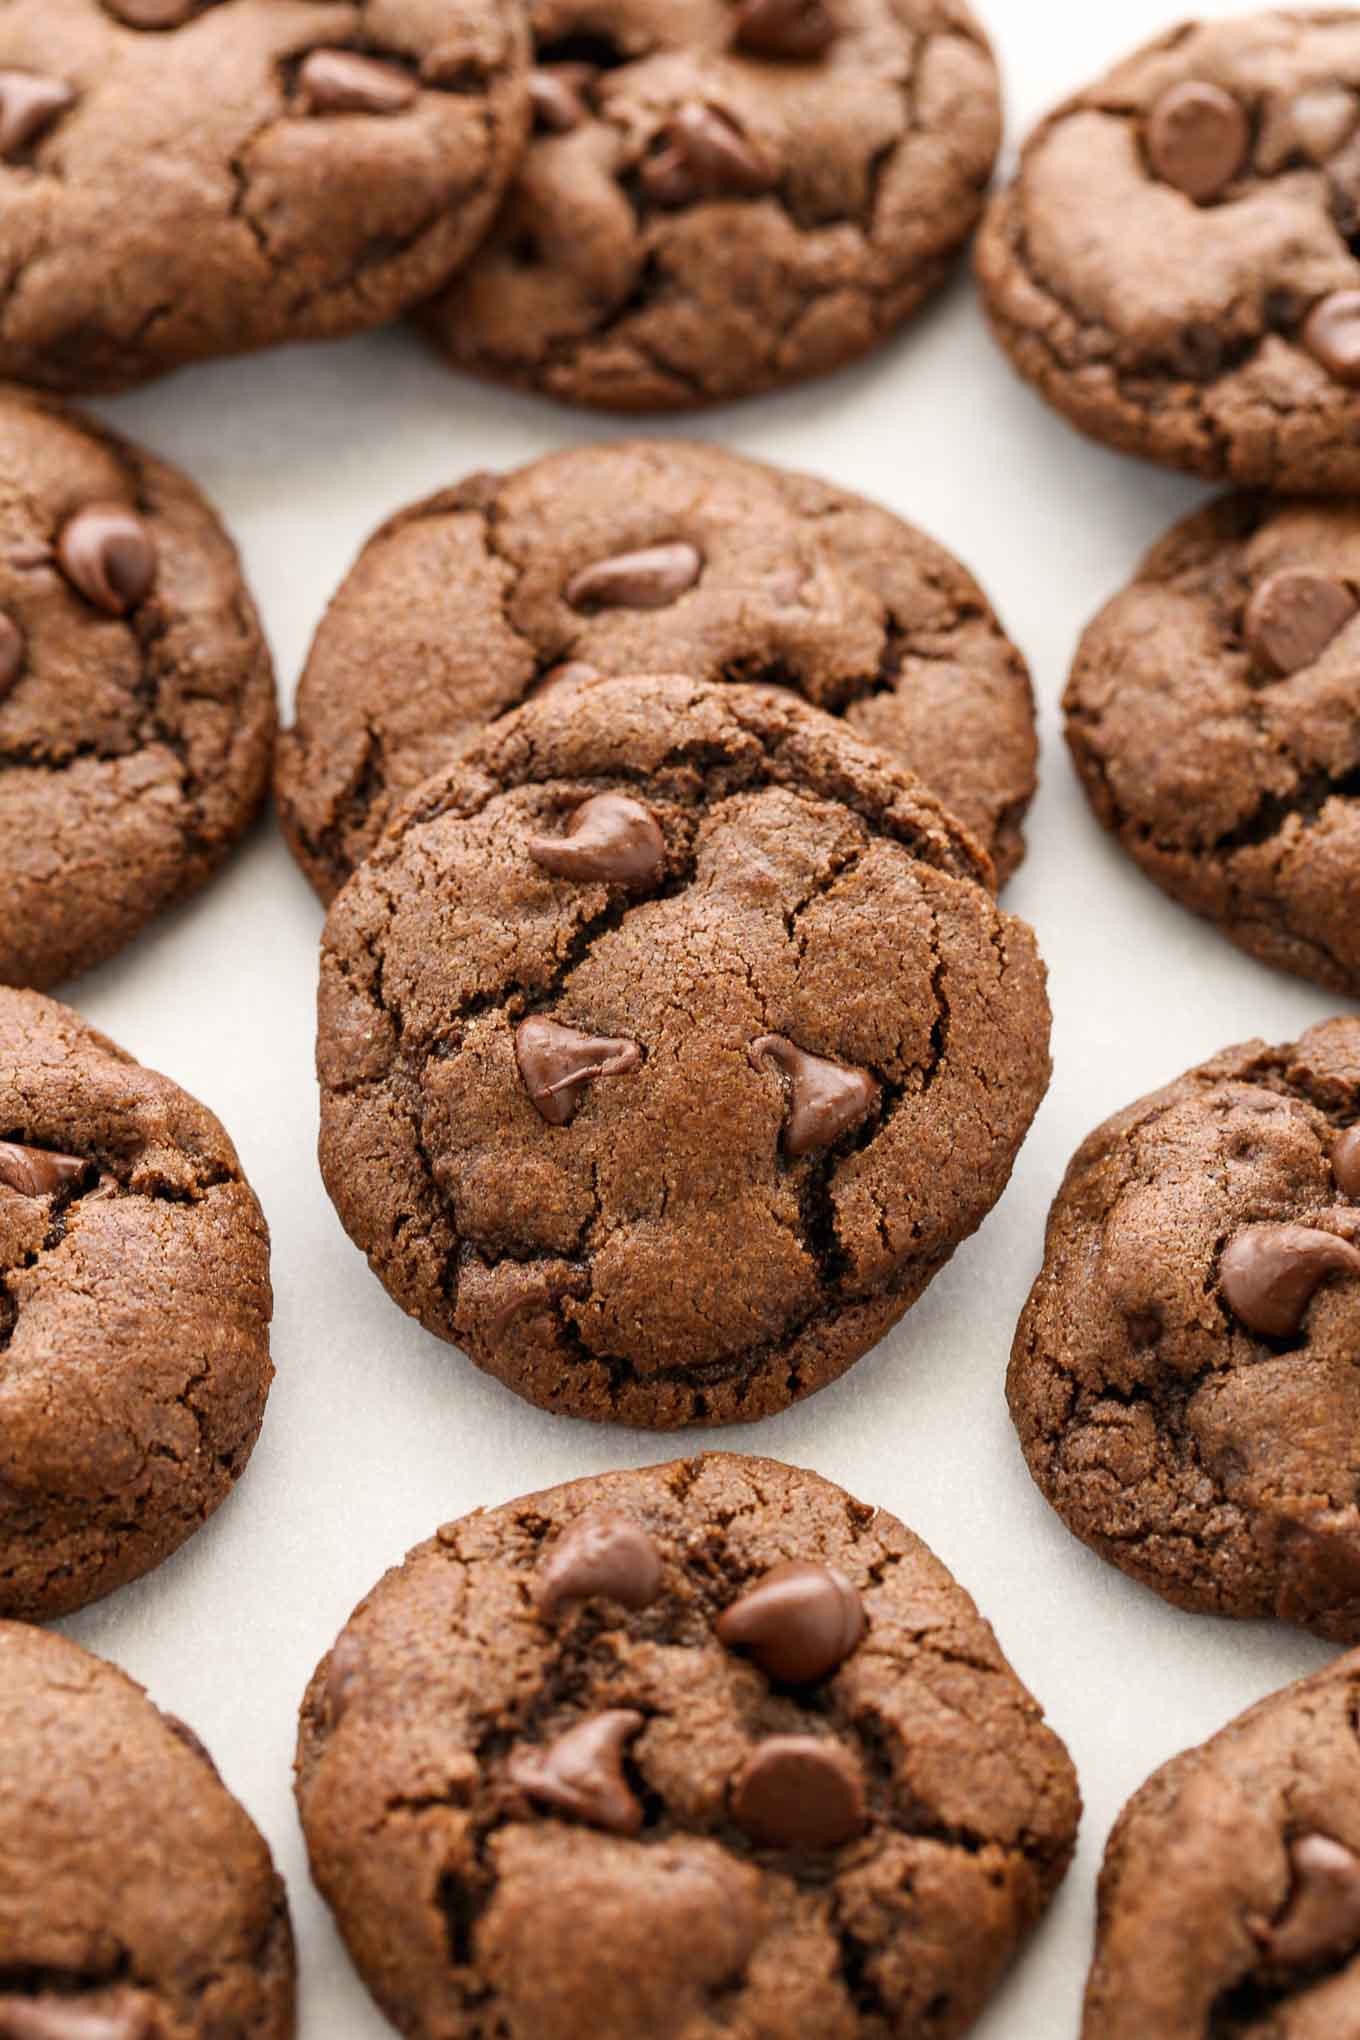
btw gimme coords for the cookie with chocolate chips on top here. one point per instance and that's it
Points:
(1183, 1379)
(701, 1747)
(1176, 266)
(670, 1042)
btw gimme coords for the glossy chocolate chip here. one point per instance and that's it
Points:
(571, 673)
(799, 1792)
(582, 1772)
(11, 652)
(609, 837)
(341, 81)
(37, 1172)
(602, 1556)
(797, 29)
(1321, 1918)
(153, 13)
(55, 2018)
(1269, 1274)
(1293, 617)
(825, 1098)
(702, 153)
(28, 104)
(1346, 1162)
(107, 553)
(343, 1667)
(557, 94)
(1332, 335)
(1198, 137)
(557, 1063)
(799, 1623)
(652, 578)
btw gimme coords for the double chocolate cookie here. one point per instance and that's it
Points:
(1184, 1376)
(1177, 265)
(704, 1747)
(722, 196)
(648, 557)
(1214, 716)
(134, 1314)
(137, 706)
(184, 178)
(1230, 1894)
(138, 1900)
(670, 1042)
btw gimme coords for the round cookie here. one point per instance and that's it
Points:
(1176, 267)
(649, 557)
(188, 178)
(138, 1898)
(724, 196)
(1212, 713)
(1230, 1893)
(134, 1313)
(137, 709)
(1183, 1378)
(669, 1045)
(694, 1747)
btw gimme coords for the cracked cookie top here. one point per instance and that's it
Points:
(137, 708)
(1230, 1893)
(138, 1898)
(1212, 714)
(703, 1747)
(134, 1313)
(672, 1137)
(648, 557)
(722, 196)
(1183, 1378)
(187, 178)
(1177, 265)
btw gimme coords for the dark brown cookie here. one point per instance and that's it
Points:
(672, 1141)
(138, 1900)
(1230, 1894)
(185, 178)
(649, 557)
(723, 196)
(555, 1803)
(1177, 265)
(1184, 1376)
(1214, 716)
(137, 706)
(134, 1313)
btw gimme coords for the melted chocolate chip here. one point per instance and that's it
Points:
(11, 652)
(1269, 1274)
(557, 94)
(1293, 617)
(571, 673)
(342, 1669)
(107, 553)
(609, 837)
(799, 1792)
(797, 29)
(825, 1098)
(582, 1772)
(1197, 139)
(557, 1063)
(28, 104)
(702, 153)
(55, 2018)
(1332, 335)
(799, 1623)
(340, 81)
(1346, 1162)
(1321, 1919)
(601, 1555)
(37, 1172)
(153, 13)
(650, 579)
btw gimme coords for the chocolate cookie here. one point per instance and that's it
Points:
(651, 557)
(702, 1747)
(1230, 1894)
(134, 1314)
(185, 178)
(136, 692)
(723, 196)
(138, 1899)
(1183, 1378)
(1177, 265)
(1214, 716)
(669, 1045)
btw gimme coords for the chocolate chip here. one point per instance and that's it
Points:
(1321, 1919)
(600, 1555)
(582, 1772)
(1332, 335)
(799, 1623)
(650, 579)
(571, 673)
(1293, 617)
(343, 1667)
(54, 2018)
(798, 29)
(825, 1098)
(557, 94)
(1346, 1162)
(702, 153)
(609, 837)
(37, 1172)
(108, 554)
(339, 81)
(1197, 139)
(28, 104)
(799, 1792)
(557, 1063)
(153, 13)
(1270, 1273)
(11, 652)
